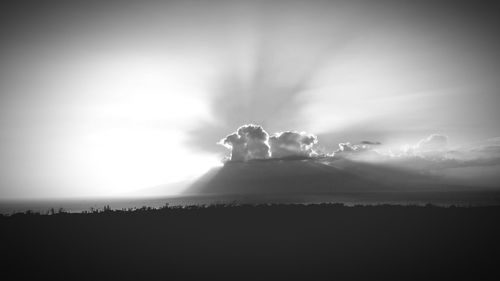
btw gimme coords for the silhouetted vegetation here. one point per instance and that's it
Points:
(255, 242)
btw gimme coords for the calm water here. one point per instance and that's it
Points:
(459, 198)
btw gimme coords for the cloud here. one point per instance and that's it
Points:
(434, 146)
(253, 142)
(371, 142)
(348, 147)
(356, 152)
(247, 143)
(433, 154)
(429, 161)
(435, 142)
(291, 143)
(426, 152)
(429, 154)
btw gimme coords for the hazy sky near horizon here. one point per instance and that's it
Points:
(106, 97)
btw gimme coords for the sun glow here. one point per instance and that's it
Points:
(124, 160)
(134, 114)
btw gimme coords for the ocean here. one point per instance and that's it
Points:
(439, 198)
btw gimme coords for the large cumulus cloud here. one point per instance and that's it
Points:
(253, 142)
(291, 143)
(247, 143)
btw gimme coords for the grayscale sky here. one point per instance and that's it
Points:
(103, 97)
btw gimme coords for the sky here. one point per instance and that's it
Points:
(99, 98)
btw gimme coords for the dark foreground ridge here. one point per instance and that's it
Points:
(262, 242)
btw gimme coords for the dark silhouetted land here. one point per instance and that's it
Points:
(262, 242)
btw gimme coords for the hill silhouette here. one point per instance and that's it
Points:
(310, 176)
(280, 176)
